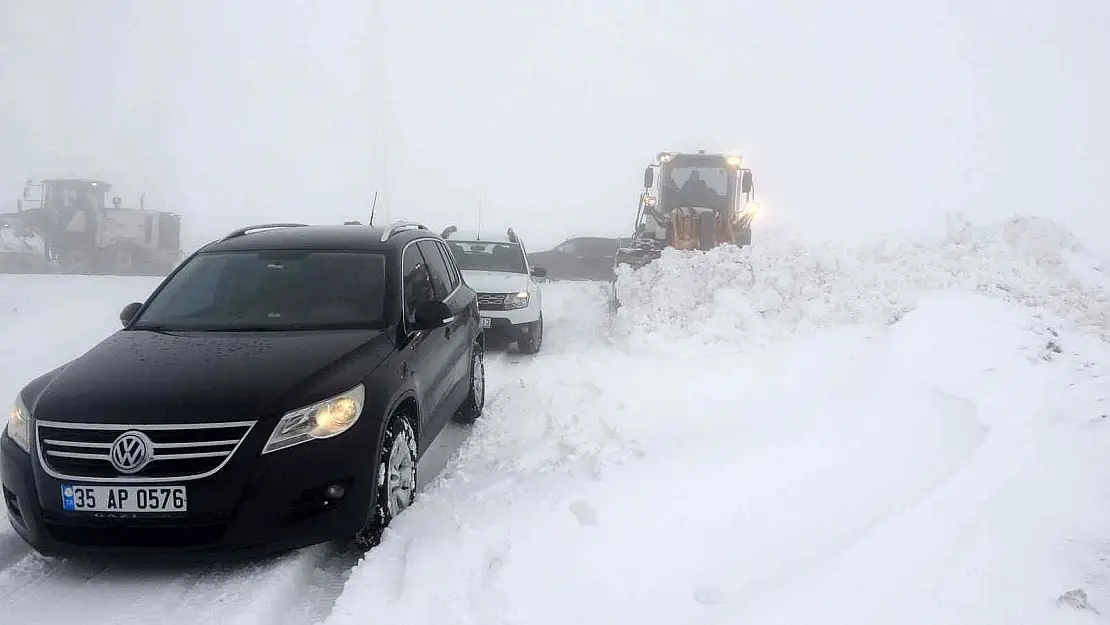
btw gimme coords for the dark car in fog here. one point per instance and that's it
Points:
(274, 391)
(579, 258)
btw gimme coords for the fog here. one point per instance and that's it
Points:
(858, 117)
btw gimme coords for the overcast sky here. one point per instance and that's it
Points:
(857, 116)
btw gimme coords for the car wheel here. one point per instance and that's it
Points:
(532, 344)
(475, 402)
(396, 487)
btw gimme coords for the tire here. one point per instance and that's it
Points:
(396, 486)
(475, 401)
(744, 237)
(532, 344)
(707, 232)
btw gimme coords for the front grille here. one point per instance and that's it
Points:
(80, 451)
(492, 301)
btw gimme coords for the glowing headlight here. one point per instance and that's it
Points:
(650, 200)
(19, 425)
(664, 158)
(733, 161)
(751, 207)
(517, 300)
(324, 419)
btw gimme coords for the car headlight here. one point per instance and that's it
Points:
(517, 300)
(324, 419)
(19, 425)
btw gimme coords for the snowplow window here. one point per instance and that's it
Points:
(716, 178)
(260, 291)
(487, 256)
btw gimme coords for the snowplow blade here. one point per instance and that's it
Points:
(637, 257)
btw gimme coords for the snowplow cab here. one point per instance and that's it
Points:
(692, 201)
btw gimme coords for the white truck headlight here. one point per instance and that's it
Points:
(324, 419)
(517, 300)
(19, 425)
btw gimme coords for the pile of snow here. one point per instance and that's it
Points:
(923, 471)
(777, 287)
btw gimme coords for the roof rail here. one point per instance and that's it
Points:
(401, 226)
(448, 231)
(247, 229)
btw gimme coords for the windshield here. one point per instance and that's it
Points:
(486, 256)
(272, 290)
(716, 178)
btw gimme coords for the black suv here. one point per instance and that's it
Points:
(275, 391)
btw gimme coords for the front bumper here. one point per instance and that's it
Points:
(255, 505)
(504, 328)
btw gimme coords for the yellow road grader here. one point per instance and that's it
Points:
(66, 226)
(691, 202)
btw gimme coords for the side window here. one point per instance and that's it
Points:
(441, 279)
(417, 283)
(599, 248)
(452, 268)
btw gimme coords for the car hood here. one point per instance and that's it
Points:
(495, 281)
(141, 377)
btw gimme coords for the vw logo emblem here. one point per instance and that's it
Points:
(131, 452)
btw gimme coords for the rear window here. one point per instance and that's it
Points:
(272, 290)
(486, 256)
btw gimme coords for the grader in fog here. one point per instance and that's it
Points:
(66, 226)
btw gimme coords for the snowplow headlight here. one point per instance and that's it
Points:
(324, 419)
(663, 158)
(751, 208)
(650, 200)
(19, 425)
(733, 161)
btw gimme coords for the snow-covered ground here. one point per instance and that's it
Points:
(909, 433)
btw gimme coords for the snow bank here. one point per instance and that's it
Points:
(777, 287)
(924, 471)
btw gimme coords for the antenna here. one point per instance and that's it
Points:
(479, 217)
(373, 208)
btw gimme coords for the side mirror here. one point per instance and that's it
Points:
(746, 182)
(649, 177)
(19, 205)
(432, 314)
(539, 272)
(128, 312)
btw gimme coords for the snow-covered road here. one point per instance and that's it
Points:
(913, 433)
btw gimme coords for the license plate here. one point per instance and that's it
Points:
(124, 498)
(486, 322)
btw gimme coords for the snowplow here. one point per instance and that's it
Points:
(691, 202)
(66, 226)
